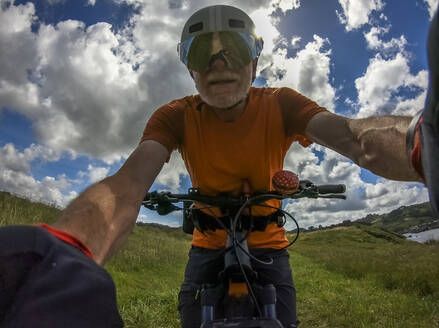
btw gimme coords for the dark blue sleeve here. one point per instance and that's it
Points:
(14, 269)
(45, 282)
(430, 120)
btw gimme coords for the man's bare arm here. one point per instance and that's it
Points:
(375, 143)
(103, 216)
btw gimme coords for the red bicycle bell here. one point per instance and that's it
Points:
(285, 182)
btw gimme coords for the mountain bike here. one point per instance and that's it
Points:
(246, 304)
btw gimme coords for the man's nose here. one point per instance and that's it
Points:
(218, 61)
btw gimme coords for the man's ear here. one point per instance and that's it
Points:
(254, 68)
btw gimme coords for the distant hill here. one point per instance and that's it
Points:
(414, 218)
(405, 219)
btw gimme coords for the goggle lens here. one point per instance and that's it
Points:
(238, 50)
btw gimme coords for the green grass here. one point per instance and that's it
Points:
(348, 277)
(345, 277)
(15, 210)
(148, 273)
(329, 299)
(366, 252)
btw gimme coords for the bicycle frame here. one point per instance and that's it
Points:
(239, 280)
(238, 276)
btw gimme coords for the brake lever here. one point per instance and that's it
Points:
(166, 208)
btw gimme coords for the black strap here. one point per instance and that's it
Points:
(203, 221)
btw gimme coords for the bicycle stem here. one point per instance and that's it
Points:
(237, 254)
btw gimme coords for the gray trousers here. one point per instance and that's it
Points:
(203, 268)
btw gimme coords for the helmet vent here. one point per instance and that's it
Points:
(235, 23)
(196, 27)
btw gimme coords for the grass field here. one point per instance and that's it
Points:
(365, 277)
(345, 277)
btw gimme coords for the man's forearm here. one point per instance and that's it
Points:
(103, 216)
(382, 144)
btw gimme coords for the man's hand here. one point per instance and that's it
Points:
(375, 143)
(103, 216)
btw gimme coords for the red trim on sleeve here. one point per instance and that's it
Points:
(66, 237)
(415, 156)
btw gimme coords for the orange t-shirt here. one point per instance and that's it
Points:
(219, 155)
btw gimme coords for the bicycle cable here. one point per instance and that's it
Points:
(236, 218)
(233, 227)
(253, 296)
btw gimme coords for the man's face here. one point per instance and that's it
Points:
(220, 85)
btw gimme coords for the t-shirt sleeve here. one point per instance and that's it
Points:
(297, 110)
(166, 126)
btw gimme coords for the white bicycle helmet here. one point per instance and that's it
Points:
(234, 26)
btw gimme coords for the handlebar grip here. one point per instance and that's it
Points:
(331, 189)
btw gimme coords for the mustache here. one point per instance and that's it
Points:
(222, 76)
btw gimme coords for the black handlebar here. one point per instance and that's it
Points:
(162, 202)
(331, 189)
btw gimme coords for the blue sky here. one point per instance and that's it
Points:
(79, 80)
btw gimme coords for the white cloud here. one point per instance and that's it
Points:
(331, 168)
(265, 27)
(172, 172)
(90, 92)
(382, 90)
(356, 12)
(375, 43)
(432, 7)
(384, 17)
(295, 40)
(142, 218)
(381, 198)
(55, 2)
(386, 195)
(12, 159)
(173, 220)
(378, 88)
(18, 46)
(299, 158)
(308, 72)
(16, 175)
(97, 173)
(286, 5)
